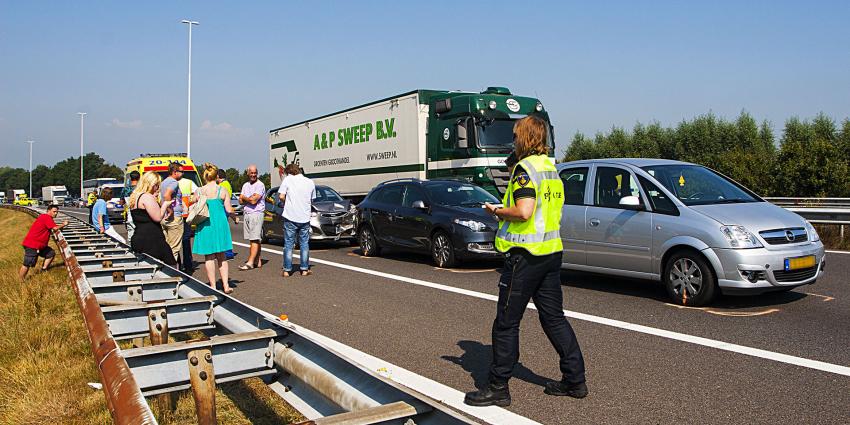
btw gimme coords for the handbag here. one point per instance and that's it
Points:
(199, 212)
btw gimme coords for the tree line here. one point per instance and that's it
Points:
(811, 159)
(67, 173)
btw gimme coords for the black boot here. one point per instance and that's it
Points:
(492, 394)
(562, 388)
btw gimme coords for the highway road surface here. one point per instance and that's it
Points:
(777, 358)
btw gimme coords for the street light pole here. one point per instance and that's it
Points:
(189, 100)
(30, 192)
(82, 118)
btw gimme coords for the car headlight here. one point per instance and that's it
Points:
(740, 237)
(813, 234)
(473, 225)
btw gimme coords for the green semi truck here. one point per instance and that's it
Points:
(419, 134)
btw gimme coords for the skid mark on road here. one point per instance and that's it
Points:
(663, 333)
(726, 313)
(465, 270)
(826, 298)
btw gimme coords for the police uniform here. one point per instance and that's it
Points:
(532, 271)
(90, 204)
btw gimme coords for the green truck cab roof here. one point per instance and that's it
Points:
(462, 103)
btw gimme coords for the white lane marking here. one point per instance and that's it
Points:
(832, 251)
(706, 342)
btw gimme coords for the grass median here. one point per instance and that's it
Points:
(46, 361)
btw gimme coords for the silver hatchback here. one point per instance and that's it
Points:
(694, 229)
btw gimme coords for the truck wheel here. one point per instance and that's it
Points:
(442, 250)
(689, 279)
(368, 243)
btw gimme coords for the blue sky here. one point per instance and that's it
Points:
(261, 65)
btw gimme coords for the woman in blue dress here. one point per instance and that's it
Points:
(212, 236)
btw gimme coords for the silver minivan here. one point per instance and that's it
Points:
(694, 229)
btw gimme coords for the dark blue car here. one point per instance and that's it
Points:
(445, 218)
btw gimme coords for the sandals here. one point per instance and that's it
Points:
(246, 266)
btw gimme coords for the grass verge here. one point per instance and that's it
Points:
(46, 362)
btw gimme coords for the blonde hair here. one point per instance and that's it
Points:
(530, 137)
(146, 184)
(210, 172)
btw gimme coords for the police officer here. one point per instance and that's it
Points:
(90, 203)
(529, 235)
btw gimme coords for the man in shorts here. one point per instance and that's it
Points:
(36, 242)
(253, 197)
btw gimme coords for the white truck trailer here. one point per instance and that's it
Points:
(419, 134)
(54, 194)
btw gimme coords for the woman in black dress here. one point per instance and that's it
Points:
(147, 212)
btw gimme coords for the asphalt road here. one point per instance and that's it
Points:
(634, 375)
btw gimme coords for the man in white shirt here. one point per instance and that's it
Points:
(297, 193)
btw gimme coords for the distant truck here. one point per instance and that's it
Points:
(419, 134)
(13, 194)
(54, 194)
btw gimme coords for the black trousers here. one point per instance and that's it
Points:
(527, 277)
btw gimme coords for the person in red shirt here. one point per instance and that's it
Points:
(36, 242)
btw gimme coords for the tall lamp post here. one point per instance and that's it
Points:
(30, 192)
(82, 119)
(189, 100)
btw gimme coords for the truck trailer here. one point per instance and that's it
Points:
(419, 134)
(13, 194)
(54, 194)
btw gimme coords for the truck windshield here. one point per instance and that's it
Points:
(696, 185)
(60, 193)
(496, 133)
(458, 194)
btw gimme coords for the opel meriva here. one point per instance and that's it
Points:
(694, 229)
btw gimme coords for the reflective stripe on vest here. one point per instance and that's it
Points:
(540, 241)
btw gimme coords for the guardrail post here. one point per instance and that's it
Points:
(158, 326)
(202, 378)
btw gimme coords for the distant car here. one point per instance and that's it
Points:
(332, 217)
(234, 203)
(445, 218)
(692, 228)
(22, 200)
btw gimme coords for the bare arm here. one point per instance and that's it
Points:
(156, 212)
(522, 211)
(225, 199)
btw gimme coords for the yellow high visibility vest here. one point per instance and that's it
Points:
(92, 199)
(541, 233)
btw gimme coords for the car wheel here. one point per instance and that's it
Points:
(442, 250)
(368, 243)
(689, 279)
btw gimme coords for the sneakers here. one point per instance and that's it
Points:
(492, 395)
(561, 388)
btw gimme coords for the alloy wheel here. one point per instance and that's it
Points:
(686, 278)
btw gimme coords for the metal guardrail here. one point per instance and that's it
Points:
(143, 297)
(817, 210)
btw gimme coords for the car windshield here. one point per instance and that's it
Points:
(697, 185)
(324, 193)
(458, 194)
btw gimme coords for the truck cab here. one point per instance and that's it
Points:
(471, 134)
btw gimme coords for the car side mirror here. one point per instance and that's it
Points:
(460, 131)
(419, 205)
(631, 203)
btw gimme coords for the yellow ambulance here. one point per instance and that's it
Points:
(159, 162)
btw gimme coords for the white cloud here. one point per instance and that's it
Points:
(223, 129)
(135, 124)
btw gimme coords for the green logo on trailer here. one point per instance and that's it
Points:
(290, 148)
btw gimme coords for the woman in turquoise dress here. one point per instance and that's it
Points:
(212, 237)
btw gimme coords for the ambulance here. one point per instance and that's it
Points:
(159, 162)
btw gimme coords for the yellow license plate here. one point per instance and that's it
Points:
(800, 262)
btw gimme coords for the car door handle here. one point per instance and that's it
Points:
(594, 222)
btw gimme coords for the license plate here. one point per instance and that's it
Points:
(800, 262)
